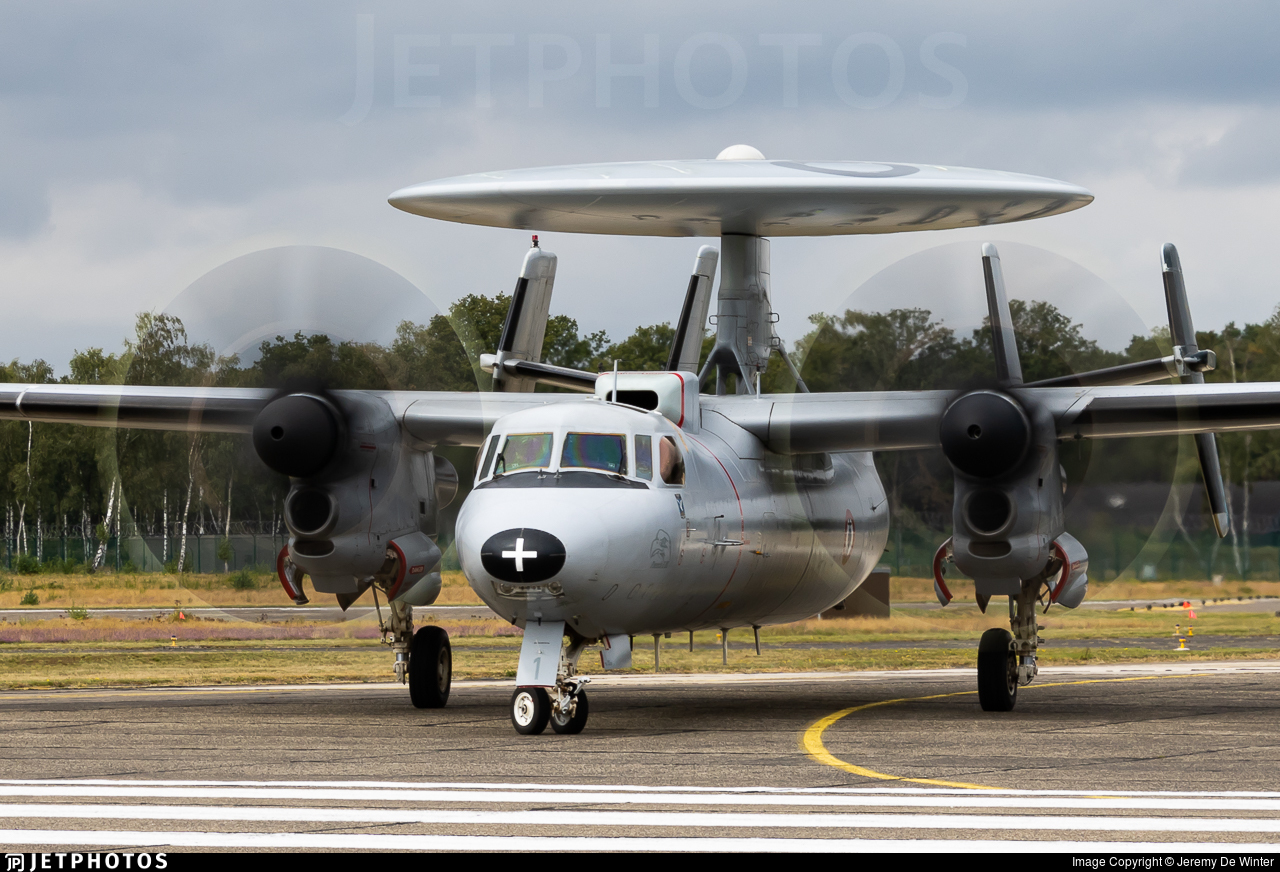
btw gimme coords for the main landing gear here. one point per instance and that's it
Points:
(423, 659)
(430, 668)
(563, 705)
(1008, 660)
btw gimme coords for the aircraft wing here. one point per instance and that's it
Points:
(434, 417)
(861, 421)
(901, 420)
(1156, 410)
(215, 410)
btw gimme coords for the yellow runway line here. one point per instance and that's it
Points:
(811, 740)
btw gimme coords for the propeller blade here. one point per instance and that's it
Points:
(1008, 365)
(686, 347)
(1183, 335)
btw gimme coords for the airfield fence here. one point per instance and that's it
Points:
(1125, 551)
(148, 553)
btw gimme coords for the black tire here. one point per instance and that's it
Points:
(997, 671)
(572, 726)
(530, 710)
(430, 668)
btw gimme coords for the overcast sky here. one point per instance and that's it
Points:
(146, 144)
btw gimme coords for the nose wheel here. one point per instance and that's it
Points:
(530, 710)
(569, 713)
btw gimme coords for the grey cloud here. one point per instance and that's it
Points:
(1246, 154)
(221, 102)
(24, 202)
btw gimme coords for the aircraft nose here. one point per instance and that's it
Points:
(522, 555)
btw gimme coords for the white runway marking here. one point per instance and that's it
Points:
(571, 844)
(483, 794)
(578, 818)
(530, 817)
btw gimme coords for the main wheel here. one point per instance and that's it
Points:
(430, 668)
(530, 710)
(997, 671)
(573, 725)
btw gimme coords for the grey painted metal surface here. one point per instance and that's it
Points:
(756, 197)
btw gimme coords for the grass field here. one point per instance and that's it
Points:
(163, 590)
(104, 651)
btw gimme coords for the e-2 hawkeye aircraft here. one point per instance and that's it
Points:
(686, 499)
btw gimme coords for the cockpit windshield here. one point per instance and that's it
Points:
(604, 451)
(524, 451)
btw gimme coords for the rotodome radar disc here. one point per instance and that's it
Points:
(741, 193)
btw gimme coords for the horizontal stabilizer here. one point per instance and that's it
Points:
(542, 373)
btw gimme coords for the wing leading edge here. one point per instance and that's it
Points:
(432, 417)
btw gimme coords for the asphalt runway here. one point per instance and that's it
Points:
(1123, 758)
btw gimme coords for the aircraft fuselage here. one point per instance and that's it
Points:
(742, 537)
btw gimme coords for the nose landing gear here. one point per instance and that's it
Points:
(563, 704)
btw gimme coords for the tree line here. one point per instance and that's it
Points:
(97, 483)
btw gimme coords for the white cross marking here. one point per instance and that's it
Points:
(520, 554)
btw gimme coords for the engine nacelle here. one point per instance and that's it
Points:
(1008, 489)
(363, 504)
(1073, 583)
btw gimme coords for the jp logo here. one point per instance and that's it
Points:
(660, 550)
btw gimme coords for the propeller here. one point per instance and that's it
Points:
(1003, 450)
(319, 438)
(1191, 365)
(910, 306)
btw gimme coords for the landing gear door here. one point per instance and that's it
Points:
(540, 654)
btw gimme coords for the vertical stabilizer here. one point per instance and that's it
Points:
(686, 347)
(1008, 366)
(526, 324)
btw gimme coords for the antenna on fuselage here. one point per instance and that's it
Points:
(612, 395)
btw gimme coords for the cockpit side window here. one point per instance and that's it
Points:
(670, 463)
(524, 451)
(644, 457)
(606, 451)
(485, 468)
